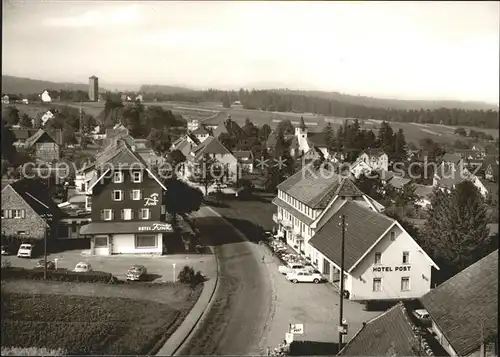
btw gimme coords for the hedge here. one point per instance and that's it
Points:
(57, 275)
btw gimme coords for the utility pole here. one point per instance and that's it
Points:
(45, 254)
(341, 313)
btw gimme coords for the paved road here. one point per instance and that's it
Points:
(239, 319)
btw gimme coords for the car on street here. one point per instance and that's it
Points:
(83, 267)
(137, 273)
(50, 265)
(290, 268)
(25, 250)
(305, 276)
(423, 317)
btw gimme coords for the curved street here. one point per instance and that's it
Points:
(242, 309)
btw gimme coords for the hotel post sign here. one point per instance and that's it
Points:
(381, 269)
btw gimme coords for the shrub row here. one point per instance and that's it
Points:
(57, 275)
(188, 276)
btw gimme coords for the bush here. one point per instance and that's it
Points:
(57, 275)
(188, 276)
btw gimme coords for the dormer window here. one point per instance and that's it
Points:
(118, 177)
(137, 177)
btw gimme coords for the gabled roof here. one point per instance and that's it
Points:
(210, 146)
(119, 131)
(23, 134)
(34, 193)
(243, 154)
(465, 307)
(374, 152)
(37, 136)
(120, 155)
(200, 130)
(389, 334)
(423, 191)
(317, 187)
(365, 228)
(193, 138)
(229, 127)
(399, 182)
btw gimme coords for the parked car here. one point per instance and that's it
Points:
(290, 268)
(83, 267)
(25, 251)
(41, 262)
(6, 263)
(137, 272)
(423, 316)
(5, 250)
(304, 276)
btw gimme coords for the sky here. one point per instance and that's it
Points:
(403, 50)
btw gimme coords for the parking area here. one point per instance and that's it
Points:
(316, 306)
(160, 268)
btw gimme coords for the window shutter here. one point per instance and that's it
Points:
(132, 214)
(22, 213)
(112, 195)
(102, 215)
(131, 194)
(112, 214)
(122, 213)
(140, 194)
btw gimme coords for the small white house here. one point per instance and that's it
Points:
(47, 116)
(45, 97)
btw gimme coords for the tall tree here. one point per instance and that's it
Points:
(286, 127)
(400, 147)
(226, 101)
(329, 135)
(10, 115)
(371, 186)
(386, 139)
(264, 132)
(26, 121)
(181, 198)
(159, 141)
(456, 232)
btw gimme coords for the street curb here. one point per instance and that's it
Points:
(183, 333)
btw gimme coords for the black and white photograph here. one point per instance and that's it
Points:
(250, 178)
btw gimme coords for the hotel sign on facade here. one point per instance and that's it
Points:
(156, 227)
(391, 269)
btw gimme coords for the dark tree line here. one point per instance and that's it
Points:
(293, 102)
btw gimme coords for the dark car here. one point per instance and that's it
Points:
(50, 265)
(137, 273)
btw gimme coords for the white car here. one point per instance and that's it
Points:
(83, 267)
(25, 251)
(290, 268)
(304, 276)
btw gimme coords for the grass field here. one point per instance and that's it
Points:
(102, 319)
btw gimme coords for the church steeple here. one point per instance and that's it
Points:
(302, 125)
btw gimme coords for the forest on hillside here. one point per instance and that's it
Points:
(270, 100)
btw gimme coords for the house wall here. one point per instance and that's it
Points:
(418, 270)
(125, 244)
(47, 151)
(230, 160)
(32, 224)
(102, 197)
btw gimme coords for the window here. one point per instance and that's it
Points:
(73, 227)
(21, 233)
(118, 177)
(100, 242)
(393, 236)
(405, 284)
(162, 209)
(377, 284)
(127, 214)
(378, 258)
(144, 213)
(136, 195)
(117, 195)
(137, 177)
(406, 257)
(107, 214)
(5, 213)
(145, 241)
(18, 213)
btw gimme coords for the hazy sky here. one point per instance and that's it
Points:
(441, 50)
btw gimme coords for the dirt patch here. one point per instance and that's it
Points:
(125, 319)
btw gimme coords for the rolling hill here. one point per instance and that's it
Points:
(17, 85)
(157, 88)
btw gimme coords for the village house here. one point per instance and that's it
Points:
(392, 333)
(28, 211)
(201, 133)
(45, 146)
(423, 195)
(45, 97)
(478, 147)
(230, 133)
(491, 169)
(214, 149)
(192, 124)
(382, 262)
(45, 117)
(464, 310)
(185, 144)
(245, 160)
(370, 160)
(128, 208)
